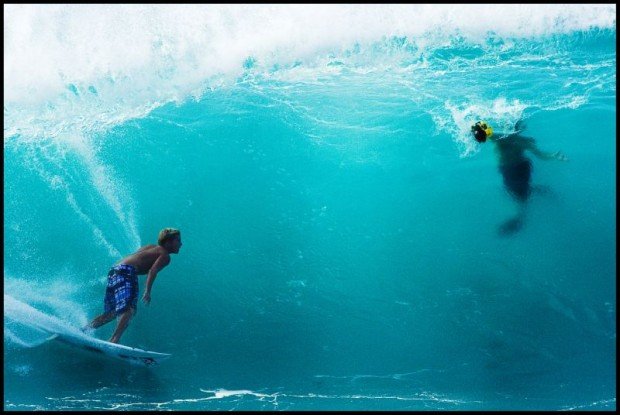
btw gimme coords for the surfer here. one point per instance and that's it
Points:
(515, 167)
(121, 296)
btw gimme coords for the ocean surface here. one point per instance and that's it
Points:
(339, 223)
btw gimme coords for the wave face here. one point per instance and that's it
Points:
(340, 246)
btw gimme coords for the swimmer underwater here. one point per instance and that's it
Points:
(515, 167)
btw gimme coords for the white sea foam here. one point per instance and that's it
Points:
(32, 310)
(275, 400)
(74, 69)
(93, 47)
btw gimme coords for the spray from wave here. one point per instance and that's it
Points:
(27, 325)
(120, 61)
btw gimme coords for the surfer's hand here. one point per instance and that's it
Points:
(146, 298)
(559, 156)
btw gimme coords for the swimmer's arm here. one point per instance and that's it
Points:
(158, 265)
(531, 146)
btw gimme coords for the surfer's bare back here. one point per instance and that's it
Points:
(121, 295)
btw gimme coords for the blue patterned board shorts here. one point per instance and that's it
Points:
(122, 290)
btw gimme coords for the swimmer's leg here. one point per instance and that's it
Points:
(517, 178)
(517, 182)
(514, 224)
(511, 226)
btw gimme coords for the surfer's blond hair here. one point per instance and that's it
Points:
(167, 233)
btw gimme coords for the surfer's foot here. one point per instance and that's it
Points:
(87, 329)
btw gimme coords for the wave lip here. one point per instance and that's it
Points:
(49, 47)
(72, 70)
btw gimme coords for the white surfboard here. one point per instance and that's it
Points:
(60, 330)
(119, 351)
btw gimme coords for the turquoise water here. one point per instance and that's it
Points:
(339, 223)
